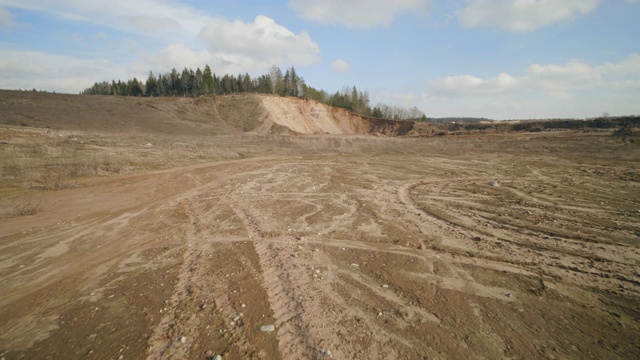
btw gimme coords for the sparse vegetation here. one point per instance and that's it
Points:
(36, 159)
(25, 206)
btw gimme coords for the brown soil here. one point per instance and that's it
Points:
(505, 246)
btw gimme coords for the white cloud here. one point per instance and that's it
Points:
(549, 90)
(522, 15)
(553, 78)
(152, 24)
(179, 56)
(176, 56)
(145, 17)
(471, 85)
(341, 66)
(262, 39)
(6, 19)
(629, 66)
(356, 13)
(185, 35)
(43, 71)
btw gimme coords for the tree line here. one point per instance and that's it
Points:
(205, 82)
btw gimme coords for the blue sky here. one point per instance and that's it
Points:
(501, 59)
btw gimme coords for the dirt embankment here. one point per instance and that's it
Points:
(262, 114)
(305, 116)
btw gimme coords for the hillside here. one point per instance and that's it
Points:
(226, 114)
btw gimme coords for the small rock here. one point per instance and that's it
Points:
(243, 305)
(355, 265)
(385, 286)
(380, 313)
(183, 339)
(267, 328)
(326, 353)
(494, 184)
(509, 295)
(217, 357)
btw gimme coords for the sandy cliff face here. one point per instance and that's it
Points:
(303, 116)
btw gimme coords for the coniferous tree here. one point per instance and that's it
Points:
(176, 82)
(199, 80)
(190, 83)
(207, 80)
(184, 81)
(151, 86)
(134, 87)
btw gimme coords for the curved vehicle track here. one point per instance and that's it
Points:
(347, 256)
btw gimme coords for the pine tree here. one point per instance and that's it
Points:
(199, 78)
(176, 83)
(151, 85)
(207, 79)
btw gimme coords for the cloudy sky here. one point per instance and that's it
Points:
(500, 59)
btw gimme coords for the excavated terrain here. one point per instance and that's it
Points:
(211, 115)
(118, 243)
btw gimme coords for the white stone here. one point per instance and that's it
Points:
(267, 328)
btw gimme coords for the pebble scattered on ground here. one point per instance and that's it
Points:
(267, 328)
(326, 353)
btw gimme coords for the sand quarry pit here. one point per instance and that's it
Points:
(505, 246)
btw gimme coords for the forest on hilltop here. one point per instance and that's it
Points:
(206, 82)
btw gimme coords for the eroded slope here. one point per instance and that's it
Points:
(255, 113)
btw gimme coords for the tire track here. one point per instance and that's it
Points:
(179, 322)
(278, 281)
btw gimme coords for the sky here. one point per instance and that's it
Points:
(499, 59)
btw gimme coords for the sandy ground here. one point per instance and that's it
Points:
(502, 247)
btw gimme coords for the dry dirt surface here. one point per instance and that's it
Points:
(507, 246)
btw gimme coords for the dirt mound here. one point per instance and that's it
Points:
(627, 131)
(254, 113)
